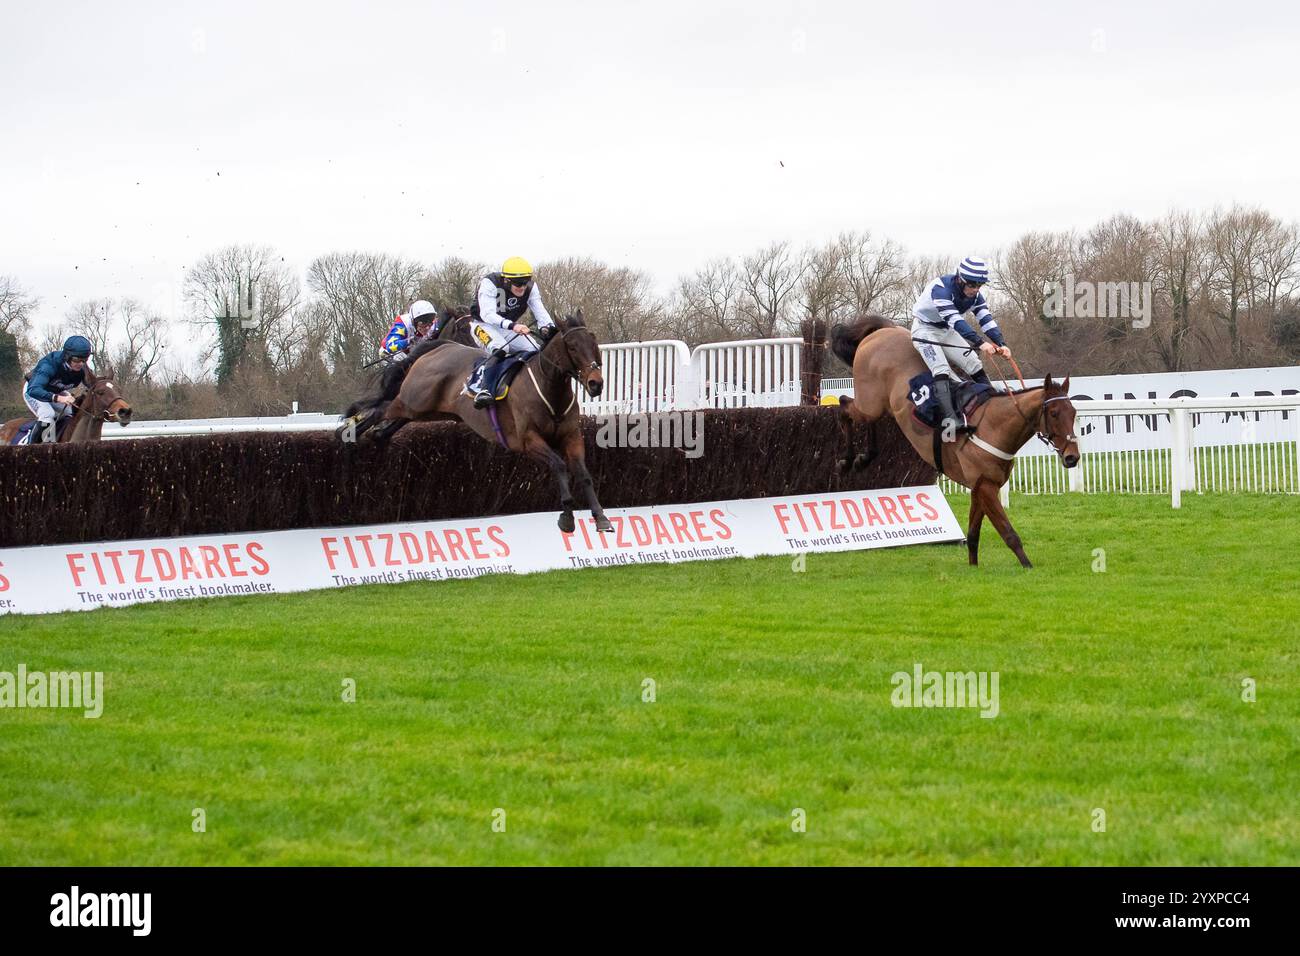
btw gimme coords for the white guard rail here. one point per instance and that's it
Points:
(1169, 446)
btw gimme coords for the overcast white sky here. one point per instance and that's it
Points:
(137, 136)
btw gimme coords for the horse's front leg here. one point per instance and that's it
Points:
(973, 527)
(576, 454)
(536, 446)
(992, 507)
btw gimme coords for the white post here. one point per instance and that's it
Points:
(690, 384)
(1004, 495)
(1177, 459)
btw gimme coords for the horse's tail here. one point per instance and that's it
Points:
(847, 336)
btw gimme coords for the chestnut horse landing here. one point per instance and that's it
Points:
(884, 360)
(538, 417)
(100, 402)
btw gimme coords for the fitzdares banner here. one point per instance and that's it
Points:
(78, 577)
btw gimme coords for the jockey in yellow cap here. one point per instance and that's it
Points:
(497, 326)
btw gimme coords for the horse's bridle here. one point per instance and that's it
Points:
(88, 394)
(1043, 433)
(573, 371)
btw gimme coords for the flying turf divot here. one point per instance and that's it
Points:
(73, 577)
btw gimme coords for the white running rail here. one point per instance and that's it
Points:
(642, 377)
(1171, 446)
(753, 373)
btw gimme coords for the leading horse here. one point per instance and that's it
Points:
(883, 361)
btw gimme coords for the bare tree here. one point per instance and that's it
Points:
(244, 292)
(1023, 273)
(127, 337)
(875, 274)
(824, 293)
(1180, 268)
(1234, 237)
(142, 335)
(452, 282)
(17, 307)
(618, 304)
(705, 307)
(1277, 264)
(358, 296)
(768, 281)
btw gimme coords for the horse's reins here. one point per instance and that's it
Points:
(571, 372)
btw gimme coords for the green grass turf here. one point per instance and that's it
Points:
(1118, 690)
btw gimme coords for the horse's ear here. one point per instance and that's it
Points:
(1047, 381)
(577, 318)
(1066, 385)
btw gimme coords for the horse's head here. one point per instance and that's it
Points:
(103, 400)
(577, 342)
(1056, 422)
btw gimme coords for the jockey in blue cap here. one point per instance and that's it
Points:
(47, 390)
(946, 340)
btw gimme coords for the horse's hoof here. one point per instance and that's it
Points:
(566, 522)
(843, 465)
(860, 462)
(604, 524)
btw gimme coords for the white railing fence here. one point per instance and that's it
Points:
(757, 373)
(1171, 446)
(642, 377)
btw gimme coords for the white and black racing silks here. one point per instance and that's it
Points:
(507, 308)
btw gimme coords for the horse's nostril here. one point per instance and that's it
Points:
(1071, 460)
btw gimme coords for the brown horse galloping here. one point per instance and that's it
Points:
(883, 360)
(538, 417)
(98, 402)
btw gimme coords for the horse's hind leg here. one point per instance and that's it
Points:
(847, 408)
(393, 417)
(357, 425)
(992, 507)
(849, 414)
(575, 455)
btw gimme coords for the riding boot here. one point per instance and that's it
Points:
(487, 383)
(948, 411)
(982, 378)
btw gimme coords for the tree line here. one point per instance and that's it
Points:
(1223, 287)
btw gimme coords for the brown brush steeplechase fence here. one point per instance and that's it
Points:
(163, 487)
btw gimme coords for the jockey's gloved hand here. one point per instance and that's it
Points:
(546, 333)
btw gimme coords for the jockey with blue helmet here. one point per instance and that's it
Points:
(413, 324)
(47, 387)
(946, 340)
